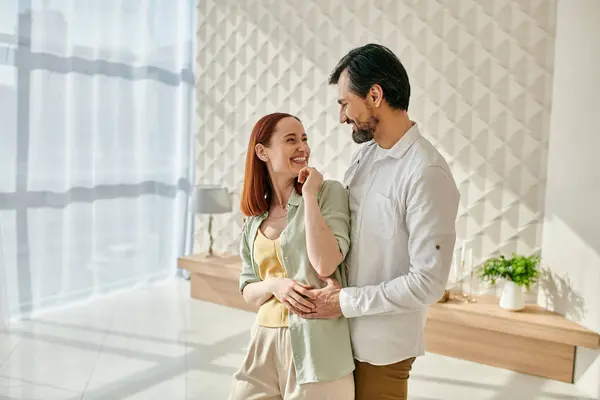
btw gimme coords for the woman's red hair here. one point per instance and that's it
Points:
(257, 190)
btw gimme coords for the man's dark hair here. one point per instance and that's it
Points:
(375, 64)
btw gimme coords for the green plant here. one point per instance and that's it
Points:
(519, 269)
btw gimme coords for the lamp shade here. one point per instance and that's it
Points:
(212, 200)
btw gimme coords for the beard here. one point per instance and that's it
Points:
(364, 132)
(362, 135)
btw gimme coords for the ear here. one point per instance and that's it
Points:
(261, 152)
(375, 95)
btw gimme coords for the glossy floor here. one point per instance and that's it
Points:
(157, 343)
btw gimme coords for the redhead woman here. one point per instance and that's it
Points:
(296, 236)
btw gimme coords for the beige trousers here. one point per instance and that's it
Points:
(268, 373)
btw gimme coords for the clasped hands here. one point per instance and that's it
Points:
(306, 302)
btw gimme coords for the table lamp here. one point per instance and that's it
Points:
(212, 200)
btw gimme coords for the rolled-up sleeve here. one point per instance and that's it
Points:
(248, 274)
(335, 209)
(431, 210)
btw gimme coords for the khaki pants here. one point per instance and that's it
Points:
(385, 382)
(268, 373)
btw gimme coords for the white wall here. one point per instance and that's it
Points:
(481, 74)
(571, 235)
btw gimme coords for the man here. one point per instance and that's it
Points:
(404, 203)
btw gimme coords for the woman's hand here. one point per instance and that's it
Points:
(311, 180)
(292, 294)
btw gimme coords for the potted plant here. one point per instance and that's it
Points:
(518, 272)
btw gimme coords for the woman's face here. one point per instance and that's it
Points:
(287, 152)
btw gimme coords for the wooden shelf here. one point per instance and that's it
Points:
(534, 341)
(200, 262)
(534, 321)
(215, 279)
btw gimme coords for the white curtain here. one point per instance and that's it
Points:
(4, 316)
(96, 146)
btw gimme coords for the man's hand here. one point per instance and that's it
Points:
(326, 301)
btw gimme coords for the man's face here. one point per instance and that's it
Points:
(356, 111)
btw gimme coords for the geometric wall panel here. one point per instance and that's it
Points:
(481, 76)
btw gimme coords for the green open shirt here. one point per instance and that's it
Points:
(321, 348)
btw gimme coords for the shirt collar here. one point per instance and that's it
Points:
(294, 199)
(405, 142)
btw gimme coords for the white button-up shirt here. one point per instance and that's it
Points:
(404, 204)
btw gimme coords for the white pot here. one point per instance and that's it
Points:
(512, 297)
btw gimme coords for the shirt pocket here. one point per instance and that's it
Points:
(380, 216)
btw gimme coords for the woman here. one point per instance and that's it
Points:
(296, 234)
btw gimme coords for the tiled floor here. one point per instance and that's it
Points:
(157, 343)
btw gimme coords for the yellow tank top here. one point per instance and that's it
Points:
(267, 255)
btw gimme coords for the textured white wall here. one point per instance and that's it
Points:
(571, 240)
(481, 75)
